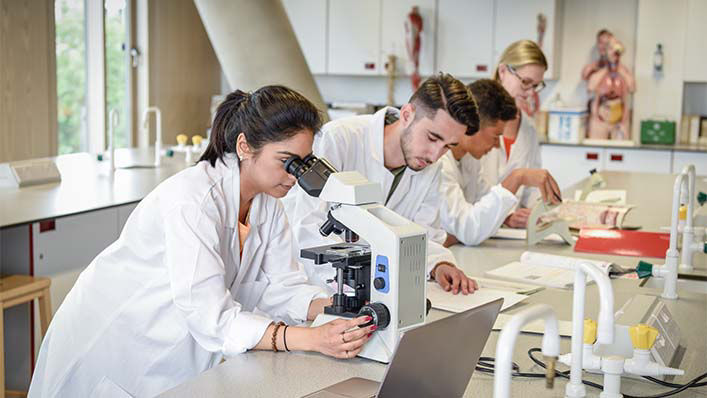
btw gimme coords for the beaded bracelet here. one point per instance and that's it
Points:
(274, 335)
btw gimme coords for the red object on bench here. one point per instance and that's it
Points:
(622, 242)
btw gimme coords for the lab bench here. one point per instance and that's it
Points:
(55, 230)
(268, 374)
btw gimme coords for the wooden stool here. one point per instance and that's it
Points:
(20, 289)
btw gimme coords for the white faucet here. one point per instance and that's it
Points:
(605, 329)
(158, 134)
(669, 270)
(689, 245)
(507, 340)
(113, 120)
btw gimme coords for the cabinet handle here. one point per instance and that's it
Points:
(482, 68)
(369, 65)
(616, 157)
(592, 156)
(47, 225)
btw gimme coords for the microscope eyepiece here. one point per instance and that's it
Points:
(295, 165)
(311, 172)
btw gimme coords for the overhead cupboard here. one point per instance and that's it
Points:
(462, 37)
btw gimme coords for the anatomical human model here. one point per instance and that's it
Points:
(611, 84)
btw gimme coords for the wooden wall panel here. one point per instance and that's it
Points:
(184, 72)
(28, 121)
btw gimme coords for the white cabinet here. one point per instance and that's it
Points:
(570, 164)
(65, 246)
(123, 213)
(637, 160)
(394, 14)
(309, 21)
(519, 19)
(465, 37)
(695, 69)
(354, 37)
(682, 159)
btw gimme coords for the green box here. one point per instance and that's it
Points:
(657, 132)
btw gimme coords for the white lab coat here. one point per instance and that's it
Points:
(356, 143)
(472, 211)
(525, 153)
(171, 296)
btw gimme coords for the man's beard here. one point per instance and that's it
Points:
(410, 161)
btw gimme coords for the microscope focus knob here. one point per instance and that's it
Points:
(379, 283)
(379, 312)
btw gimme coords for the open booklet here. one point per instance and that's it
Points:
(588, 215)
(447, 301)
(545, 270)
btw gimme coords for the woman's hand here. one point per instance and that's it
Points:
(341, 338)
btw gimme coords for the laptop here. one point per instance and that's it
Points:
(433, 360)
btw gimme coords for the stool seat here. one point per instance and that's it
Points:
(16, 290)
(17, 286)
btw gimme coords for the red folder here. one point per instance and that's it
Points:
(623, 242)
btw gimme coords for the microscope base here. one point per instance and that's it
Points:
(375, 349)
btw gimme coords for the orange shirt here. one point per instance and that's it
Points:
(507, 143)
(243, 230)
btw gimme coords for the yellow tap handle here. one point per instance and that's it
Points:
(182, 139)
(196, 140)
(590, 331)
(643, 336)
(682, 213)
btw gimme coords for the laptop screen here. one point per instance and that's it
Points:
(438, 358)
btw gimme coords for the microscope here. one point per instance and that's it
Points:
(385, 276)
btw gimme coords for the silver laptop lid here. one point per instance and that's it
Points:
(438, 359)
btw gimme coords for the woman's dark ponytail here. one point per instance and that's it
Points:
(270, 114)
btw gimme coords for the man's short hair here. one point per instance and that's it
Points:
(445, 92)
(493, 101)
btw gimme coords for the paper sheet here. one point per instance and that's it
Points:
(513, 287)
(538, 275)
(609, 196)
(537, 326)
(457, 303)
(521, 234)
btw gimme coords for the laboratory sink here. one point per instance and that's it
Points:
(684, 285)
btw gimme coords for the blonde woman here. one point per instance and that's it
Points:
(520, 71)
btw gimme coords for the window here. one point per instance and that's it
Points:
(93, 73)
(117, 68)
(71, 74)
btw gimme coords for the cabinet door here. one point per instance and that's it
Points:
(123, 213)
(638, 160)
(568, 164)
(682, 159)
(309, 21)
(63, 249)
(465, 37)
(518, 19)
(695, 43)
(394, 14)
(354, 37)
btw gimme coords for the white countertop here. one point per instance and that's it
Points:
(86, 186)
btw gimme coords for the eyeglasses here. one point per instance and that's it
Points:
(526, 84)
